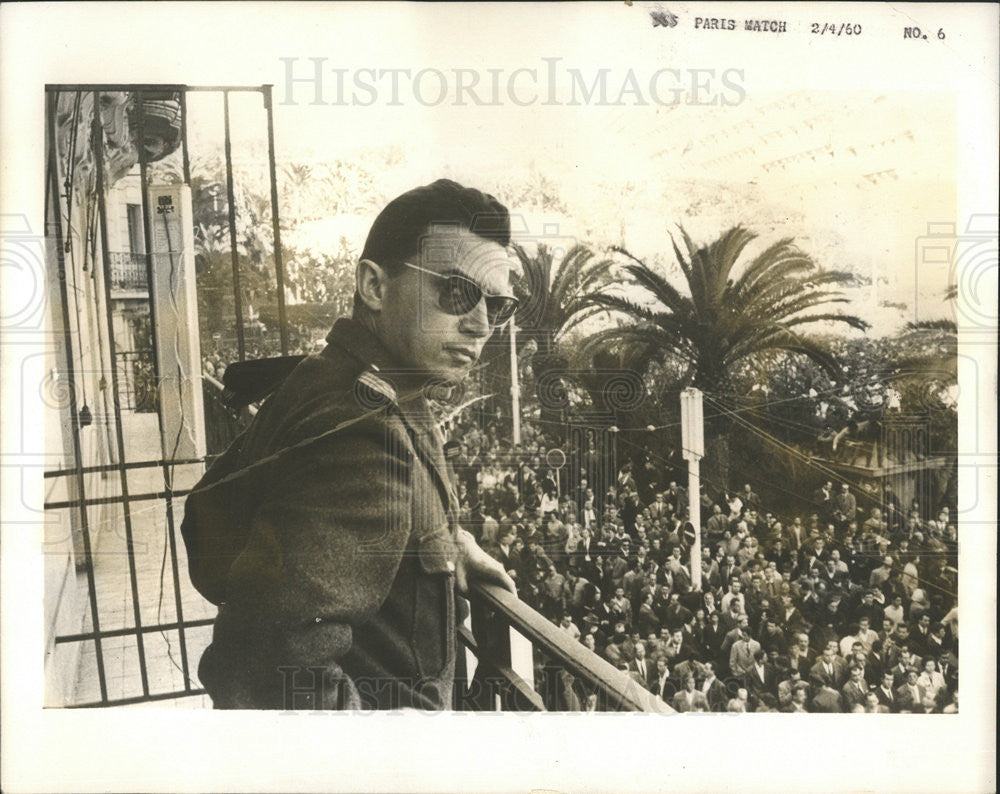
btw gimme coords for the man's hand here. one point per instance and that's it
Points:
(475, 565)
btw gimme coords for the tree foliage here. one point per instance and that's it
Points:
(721, 317)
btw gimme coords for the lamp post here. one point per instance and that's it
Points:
(693, 450)
(515, 387)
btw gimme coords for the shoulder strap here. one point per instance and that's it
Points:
(385, 398)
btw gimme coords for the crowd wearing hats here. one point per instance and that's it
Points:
(850, 607)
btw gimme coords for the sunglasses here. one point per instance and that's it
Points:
(459, 295)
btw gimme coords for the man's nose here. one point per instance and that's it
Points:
(476, 322)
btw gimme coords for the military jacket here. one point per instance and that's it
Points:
(326, 534)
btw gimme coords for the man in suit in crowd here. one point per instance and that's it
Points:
(800, 699)
(640, 666)
(504, 551)
(760, 678)
(716, 525)
(830, 669)
(788, 615)
(676, 649)
(751, 501)
(735, 594)
(659, 509)
(795, 534)
(801, 657)
(741, 624)
(713, 635)
(742, 653)
(872, 706)
(713, 689)
(823, 500)
(910, 695)
(676, 614)
(886, 692)
(689, 698)
(920, 634)
(676, 498)
(855, 690)
(845, 506)
(904, 658)
(584, 557)
(661, 684)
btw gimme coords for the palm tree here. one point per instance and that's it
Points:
(552, 293)
(550, 290)
(725, 319)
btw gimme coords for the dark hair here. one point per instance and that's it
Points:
(398, 229)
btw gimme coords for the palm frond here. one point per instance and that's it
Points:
(777, 253)
(723, 254)
(661, 289)
(617, 303)
(791, 342)
(646, 343)
(849, 319)
(948, 326)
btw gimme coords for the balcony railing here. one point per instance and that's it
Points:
(511, 658)
(128, 271)
(524, 662)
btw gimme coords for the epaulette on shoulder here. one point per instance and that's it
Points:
(374, 391)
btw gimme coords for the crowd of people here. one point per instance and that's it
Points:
(849, 607)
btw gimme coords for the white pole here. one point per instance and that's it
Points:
(693, 449)
(694, 515)
(515, 386)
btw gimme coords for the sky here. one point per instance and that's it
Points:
(854, 176)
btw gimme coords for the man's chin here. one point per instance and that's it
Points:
(442, 381)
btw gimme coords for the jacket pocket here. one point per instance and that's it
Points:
(433, 637)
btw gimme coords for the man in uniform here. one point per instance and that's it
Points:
(327, 533)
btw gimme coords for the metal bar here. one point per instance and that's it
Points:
(231, 198)
(104, 635)
(279, 265)
(118, 499)
(119, 435)
(138, 699)
(68, 344)
(515, 387)
(184, 138)
(172, 537)
(142, 464)
(107, 359)
(90, 87)
(147, 231)
(158, 368)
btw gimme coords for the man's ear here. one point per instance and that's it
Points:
(370, 282)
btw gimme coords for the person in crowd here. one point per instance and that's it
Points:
(743, 653)
(911, 696)
(689, 698)
(932, 681)
(799, 701)
(855, 691)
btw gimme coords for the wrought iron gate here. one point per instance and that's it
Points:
(134, 644)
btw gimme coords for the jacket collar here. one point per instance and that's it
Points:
(352, 338)
(355, 340)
